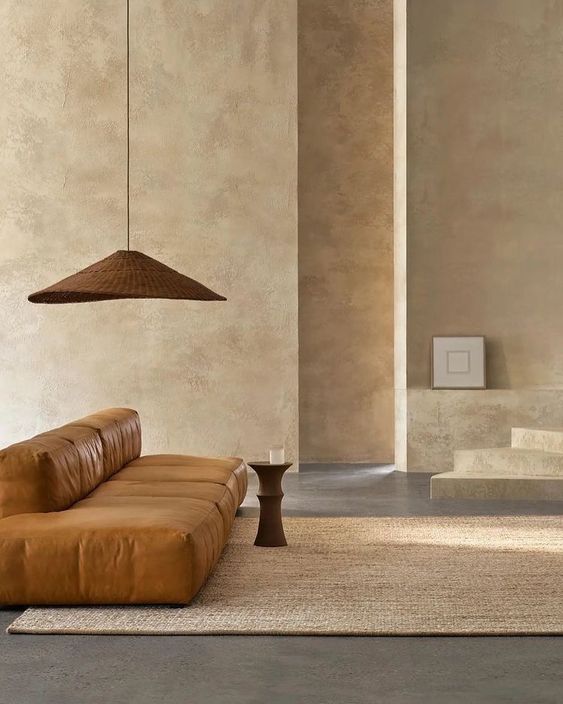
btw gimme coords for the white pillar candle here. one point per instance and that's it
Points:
(277, 455)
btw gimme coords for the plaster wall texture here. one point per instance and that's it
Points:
(484, 199)
(214, 174)
(441, 422)
(346, 230)
(485, 251)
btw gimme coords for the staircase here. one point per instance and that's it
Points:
(532, 468)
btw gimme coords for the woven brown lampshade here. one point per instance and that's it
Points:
(125, 274)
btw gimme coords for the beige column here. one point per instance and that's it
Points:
(400, 228)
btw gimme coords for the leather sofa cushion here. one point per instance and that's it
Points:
(120, 432)
(186, 460)
(155, 550)
(109, 493)
(50, 472)
(228, 471)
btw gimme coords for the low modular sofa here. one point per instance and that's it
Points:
(84, 519)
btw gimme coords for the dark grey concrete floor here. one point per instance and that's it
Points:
(296, 670)
(367, 490)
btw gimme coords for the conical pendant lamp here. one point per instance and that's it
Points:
(125, 273)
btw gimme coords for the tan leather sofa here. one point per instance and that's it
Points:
(84, 519)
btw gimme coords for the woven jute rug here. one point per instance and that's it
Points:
(360, 576)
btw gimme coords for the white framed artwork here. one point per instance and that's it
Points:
(458, 362)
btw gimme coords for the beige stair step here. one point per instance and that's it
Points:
(454, 485)
(509, 461)
(546, 439)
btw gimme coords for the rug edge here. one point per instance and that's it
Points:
(14, 629)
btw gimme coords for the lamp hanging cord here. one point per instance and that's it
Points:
(128, 147)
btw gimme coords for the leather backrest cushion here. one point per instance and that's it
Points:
(120, 432)
(51, 471)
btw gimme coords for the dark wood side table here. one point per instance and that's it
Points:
(270, 529)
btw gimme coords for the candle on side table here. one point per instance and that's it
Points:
(277, 455)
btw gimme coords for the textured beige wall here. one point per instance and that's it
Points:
(214, 166)
(485, 245)
(485, 209)
(441, 422)
(346, 229)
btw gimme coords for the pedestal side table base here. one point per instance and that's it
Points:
(270, 529)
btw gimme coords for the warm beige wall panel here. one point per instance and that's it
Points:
(214, 195)
(346, 229)
(485, 248)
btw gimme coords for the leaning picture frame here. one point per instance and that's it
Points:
(459, 362)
